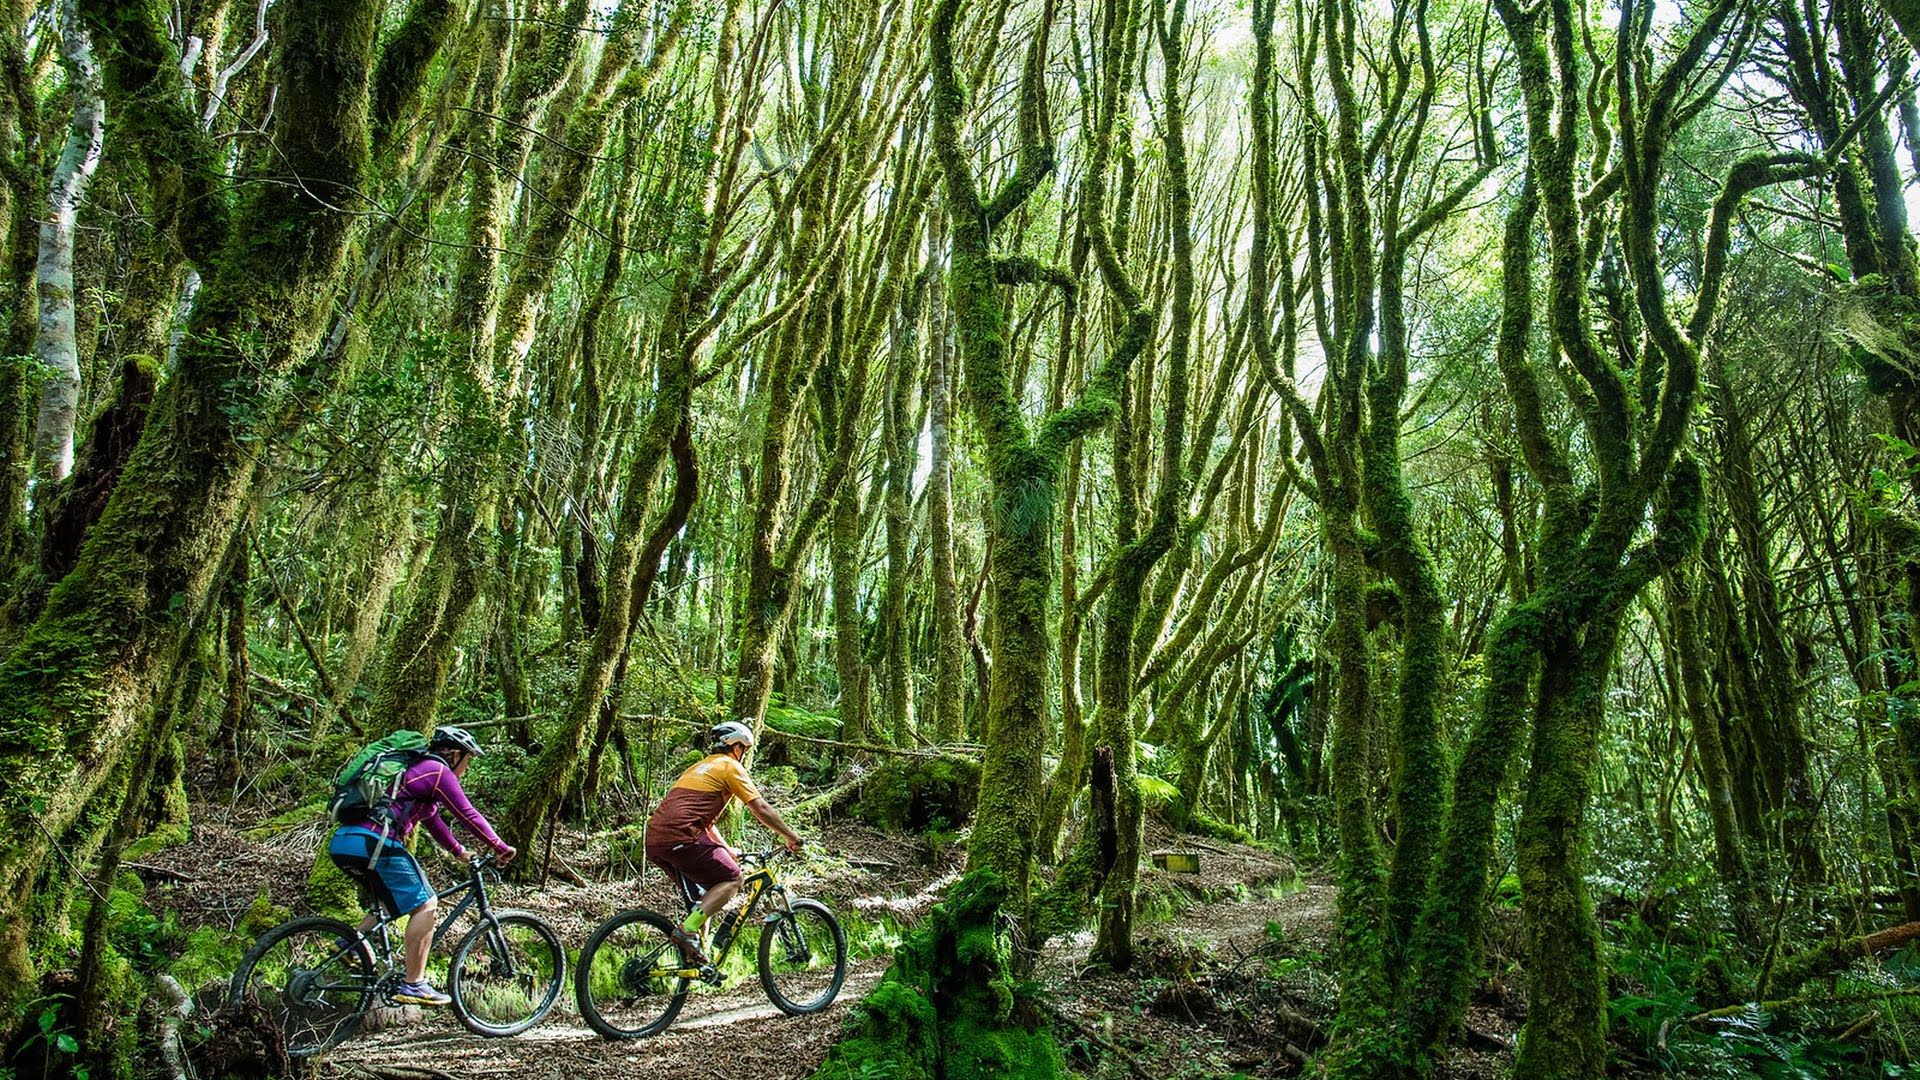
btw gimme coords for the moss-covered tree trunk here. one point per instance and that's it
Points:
(768, 592)
(21, 142)
(628, 582)
(665, 433)
(1777, 701)
(949, 639)
(826, 340)
(1137, 548)
(1637, 449)
(1844, 105)
(83, 680)
(849, 661)
(900, 444)
(1022, 460)
(392, 541)
(1709, 747)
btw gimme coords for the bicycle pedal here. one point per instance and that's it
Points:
(710, 975)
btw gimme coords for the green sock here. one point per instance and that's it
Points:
(694, 922)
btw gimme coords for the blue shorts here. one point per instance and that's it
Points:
(396, 879)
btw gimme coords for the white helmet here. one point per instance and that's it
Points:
(730, 733)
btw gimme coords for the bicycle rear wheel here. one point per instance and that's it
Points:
(632, 979)
(803, 958)
(504, 980)
(314, 985)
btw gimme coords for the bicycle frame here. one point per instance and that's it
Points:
(475, 890)
(754, 887)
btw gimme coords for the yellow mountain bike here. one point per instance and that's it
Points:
(632, 979)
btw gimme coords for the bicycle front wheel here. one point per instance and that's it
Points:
(632, 979)
(309, 978)
(803, 958)
(506, 974)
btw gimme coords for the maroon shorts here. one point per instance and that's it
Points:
(702, 862)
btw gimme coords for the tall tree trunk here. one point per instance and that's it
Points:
(901, 447)
(949, 638)
(23, 175)
(1136, 554)
(1022, 461)
(1709, 749)
(1777, 697)
(78, 688)
(393, 542)
(843, 545)
(56, 345)
(238, 704)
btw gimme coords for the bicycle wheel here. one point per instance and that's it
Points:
(314, 986)
(506, 974)
(632, 979)
(803, 958)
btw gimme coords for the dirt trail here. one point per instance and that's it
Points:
(729, 1032)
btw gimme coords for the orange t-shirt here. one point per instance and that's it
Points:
(696, 800)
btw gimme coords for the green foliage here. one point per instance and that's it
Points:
(1156, 795)
(1665, 984)
(49, 1041)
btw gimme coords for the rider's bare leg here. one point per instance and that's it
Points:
(716, 898)
(419, 938)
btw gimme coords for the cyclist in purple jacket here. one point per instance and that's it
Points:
(378, 857)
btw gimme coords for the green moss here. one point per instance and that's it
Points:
(947, 1007)
(919, 794)
(263, 915)
(209, 955)
(164, 836)
(1206, 825)
(331, 892)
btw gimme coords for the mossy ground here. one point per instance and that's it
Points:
(949, 1007)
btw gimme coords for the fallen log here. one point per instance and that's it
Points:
(1835, 955)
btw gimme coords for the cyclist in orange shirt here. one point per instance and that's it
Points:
(680, 835)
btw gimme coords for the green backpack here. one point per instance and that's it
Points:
(367, 785)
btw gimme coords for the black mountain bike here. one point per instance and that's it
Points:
(632, 979)
(317, 979)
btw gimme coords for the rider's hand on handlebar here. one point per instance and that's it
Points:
(795, 844)
(506, 854)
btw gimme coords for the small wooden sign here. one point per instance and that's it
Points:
(1177, 862)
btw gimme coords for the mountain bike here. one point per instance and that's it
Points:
(317, 977)
(632, 978)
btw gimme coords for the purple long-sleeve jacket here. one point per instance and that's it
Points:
(424, 787)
